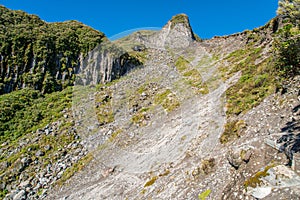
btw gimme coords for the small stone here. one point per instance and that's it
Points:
(39, 153)
(234, 160)
(4, 144)
(47, 131)
(4, 165)
(246, 155)
(21, 195)
(47, 147)
(261, 192)
(77, 152)
(26, 161)
(59, 175)
(2, 185)
(25, 184)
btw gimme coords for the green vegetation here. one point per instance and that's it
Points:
(151, 181)
(287, 50)
(290, 9)
(256, 82)
(194, 79)
(204, 194)
(259, 80)
(255, 180)
(167, 99)
(115, 134)
(75, 168)
(145, 99)
(139, 55)
(27, 110)
(44, 55)
(154, 178)
(3, 193)
(288, 39)
(140, 116)
(207, 165)
(233, 130)
(103, 106)
(182, 64)
(191, 76)
(24, 116)
(178, 19)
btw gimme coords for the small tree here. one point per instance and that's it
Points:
(287, 44)
(290, 9)
(288, 55)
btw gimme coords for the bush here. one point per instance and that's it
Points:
(287, 47)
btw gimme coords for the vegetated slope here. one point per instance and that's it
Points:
(40, 146)
(40, 55)
(191, 123)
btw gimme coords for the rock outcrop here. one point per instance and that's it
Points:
(177, 33)
(104, 64)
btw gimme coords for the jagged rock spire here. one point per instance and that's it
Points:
(177, 33)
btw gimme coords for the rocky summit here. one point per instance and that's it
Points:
(153, 115)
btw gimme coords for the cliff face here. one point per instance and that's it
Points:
(47, 56)
(104, 64)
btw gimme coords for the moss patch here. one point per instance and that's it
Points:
(207, 165)
(151, 181)
(154, 178)
(204, 194)
(140, 116)
(255, 180)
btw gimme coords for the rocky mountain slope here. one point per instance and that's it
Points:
(175, 117)
(169, 136)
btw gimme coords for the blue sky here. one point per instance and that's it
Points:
(208, 18)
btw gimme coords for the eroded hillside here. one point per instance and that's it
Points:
(183, 118)
(191, 122)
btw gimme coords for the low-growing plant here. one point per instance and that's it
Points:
(167, 99)
(204, 194)
(232, 130)
(75, 168)
(255, 180)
